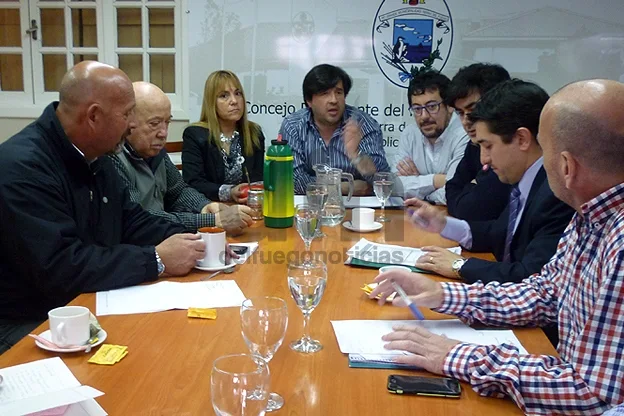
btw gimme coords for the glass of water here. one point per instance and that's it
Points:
(240, 385)
(263, 325)
(308, 221)
(383, 182)
(307, 282)
(255, 199)
(316, 197)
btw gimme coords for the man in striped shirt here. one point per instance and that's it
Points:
(332, 133)
(582, 135)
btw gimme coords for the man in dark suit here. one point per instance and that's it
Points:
(526, 234)
(474, 192)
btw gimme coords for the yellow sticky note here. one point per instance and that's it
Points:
(368, 288)
(203, 313)
(109, 354)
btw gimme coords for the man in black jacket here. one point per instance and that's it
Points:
(68, 225)
(474, 192)
(526, 234)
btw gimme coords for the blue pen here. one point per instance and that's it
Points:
(408, 301)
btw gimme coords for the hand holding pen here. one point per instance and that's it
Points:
(420, 290)
(415, 311)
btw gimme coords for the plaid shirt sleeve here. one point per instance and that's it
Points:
(587, 379)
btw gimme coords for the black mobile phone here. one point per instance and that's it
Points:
(240, 250)
(424, 386)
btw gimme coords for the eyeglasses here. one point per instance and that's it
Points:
(432, 108)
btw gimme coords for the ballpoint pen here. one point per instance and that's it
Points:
(415, 311)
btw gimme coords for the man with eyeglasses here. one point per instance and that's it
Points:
(429, 150)
(474, 192)
(153, 180)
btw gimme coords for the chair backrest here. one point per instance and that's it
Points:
(174, 149)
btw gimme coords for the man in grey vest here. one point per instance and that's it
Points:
(154, 181)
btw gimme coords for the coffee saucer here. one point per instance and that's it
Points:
(215, 268)
(48, 336)
(376, 226)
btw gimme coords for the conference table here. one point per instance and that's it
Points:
(167, 370)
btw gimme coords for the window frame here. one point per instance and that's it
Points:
(31, 102)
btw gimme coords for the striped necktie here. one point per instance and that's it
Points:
(514, 208)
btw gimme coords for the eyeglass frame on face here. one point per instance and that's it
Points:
(430, 108)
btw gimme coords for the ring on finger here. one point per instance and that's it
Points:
(430, 259)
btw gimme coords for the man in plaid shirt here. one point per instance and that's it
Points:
(582, 135)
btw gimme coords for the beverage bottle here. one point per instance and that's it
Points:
(279, 186)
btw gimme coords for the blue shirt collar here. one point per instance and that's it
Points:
(526, 182)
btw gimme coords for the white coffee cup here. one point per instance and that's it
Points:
(69, 325)
(362, 218)
(214, 238)
(394, 268)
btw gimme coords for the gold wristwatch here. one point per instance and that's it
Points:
(457, 265)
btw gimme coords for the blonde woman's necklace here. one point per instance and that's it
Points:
(228, 140)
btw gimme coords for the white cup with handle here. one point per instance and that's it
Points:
(362, 218)
(214, 237)
(69, 325)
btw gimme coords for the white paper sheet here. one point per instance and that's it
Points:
(364, 336)
(360, 201)
(164, 296)
(41, 385)
(388, 253)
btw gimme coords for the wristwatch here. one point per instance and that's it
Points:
(457, 265)
(356, 160)
(161, 265)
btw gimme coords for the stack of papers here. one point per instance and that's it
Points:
(369, 254)
(364, 336)
(164, 296)
(46, 385)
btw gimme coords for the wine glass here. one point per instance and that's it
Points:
(240, 385)
(316, 197)
(307, 281)
(308, 220)
(383, 183)
(263, 325)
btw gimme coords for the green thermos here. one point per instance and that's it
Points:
(279, 187)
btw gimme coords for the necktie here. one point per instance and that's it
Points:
(514, 208)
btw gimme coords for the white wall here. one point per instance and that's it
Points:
(272, 44)
(10, 126)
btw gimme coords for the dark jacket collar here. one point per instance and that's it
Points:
(54, 133)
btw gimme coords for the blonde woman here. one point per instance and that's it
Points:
(223, 143)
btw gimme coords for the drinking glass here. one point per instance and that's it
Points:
(307, 281)
(383, 182)
(307, 220)
(263, 326)
(316, 197)
(240, 385)
(255, 199)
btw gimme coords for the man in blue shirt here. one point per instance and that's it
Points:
(332, 133)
